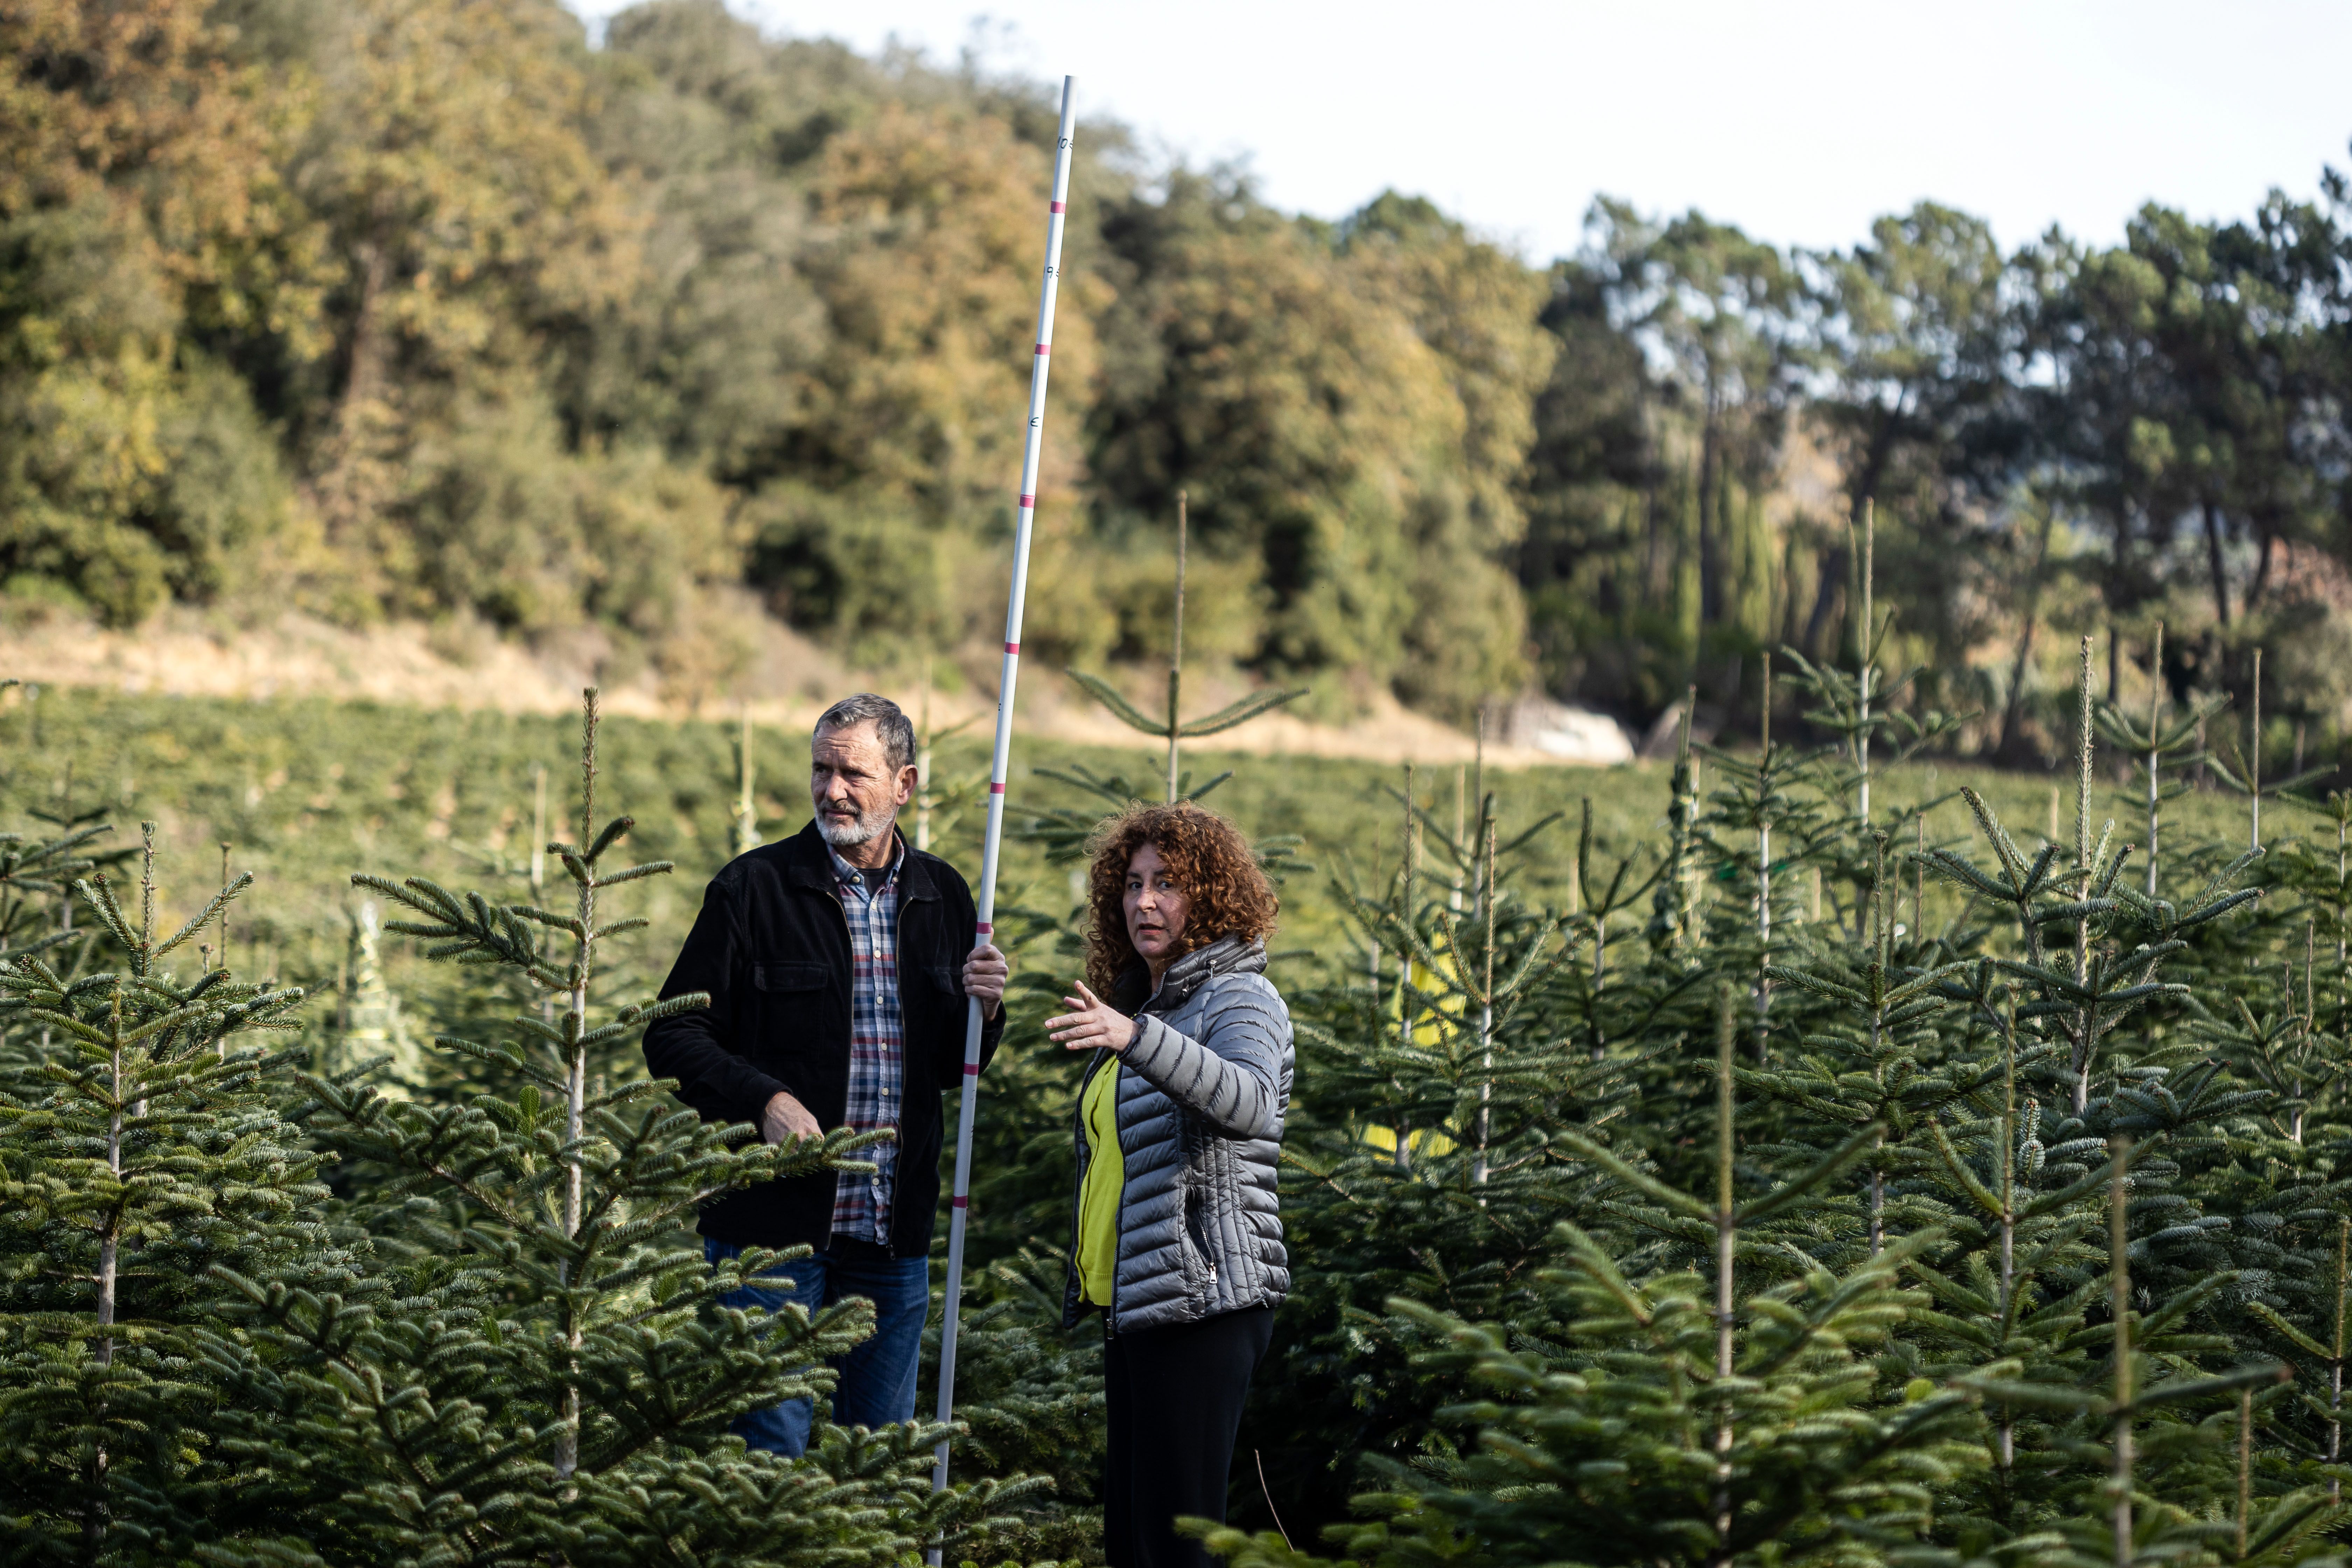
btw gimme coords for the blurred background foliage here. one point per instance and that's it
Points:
(427, 308)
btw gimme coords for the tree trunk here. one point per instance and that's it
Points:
(363, 376)
(342, 488)
(2009, 719)
(2261, 584)
(1863, 484)
(1710, 511)
(2213, 564)
(1836, 563)
(1652, 579)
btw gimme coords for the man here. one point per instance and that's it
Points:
(838, 964)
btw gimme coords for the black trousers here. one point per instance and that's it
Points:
(1175, 1398)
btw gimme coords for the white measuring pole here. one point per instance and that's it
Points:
(1041, 361)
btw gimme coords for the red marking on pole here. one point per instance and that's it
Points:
(1057, 206)
(962, 1203)
(983, 927)
(1028, 503)
(971, 1069)
(1044, 348)
(1013, 648)
(997, 789)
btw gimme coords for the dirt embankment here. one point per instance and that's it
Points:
(183, 654)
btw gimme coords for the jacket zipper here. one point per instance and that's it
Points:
(1200, 1237)
(1208, 1254)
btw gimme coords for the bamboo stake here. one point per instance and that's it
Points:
(1726, 1250)
(538, 878)
(575, 1079)
(1576, 874)
(2085, 1018)
(1600, 924)
(1683, 816)
(2255, 754)
(1461, 828)
(1869, 576)
(1487, 1019)
(2155, 717)
(2245, 1464)
(747, 817)
(1919, 877)
(1176, 653)
(147, 929)
(1478, 794)
(966, 1104)
(539, 834)
(2005, 1453)
(1878, 921)
(923, 770)
(220, 1045)
(1404, 965)
(2335, 1365)
(2119, 1278)
(1764, 866)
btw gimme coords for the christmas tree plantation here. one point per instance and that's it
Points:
(1853, 1196)
(1842, 1172)
(494, 1343)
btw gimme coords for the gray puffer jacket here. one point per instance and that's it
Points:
(1202, 1095)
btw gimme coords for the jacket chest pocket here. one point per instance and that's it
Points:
(802, 1027)
(790, 976)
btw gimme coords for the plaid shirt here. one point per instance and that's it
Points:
(877, 1038)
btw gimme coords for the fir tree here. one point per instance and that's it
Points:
(139, 1158)
(1173, 727)
(37, 876)
(2176, 743)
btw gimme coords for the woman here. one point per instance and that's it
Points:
(1179, 1129)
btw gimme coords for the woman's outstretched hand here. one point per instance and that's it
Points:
(1091, 1024)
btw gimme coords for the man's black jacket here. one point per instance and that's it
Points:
(772, 947)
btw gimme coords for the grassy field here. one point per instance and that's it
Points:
(306, 791)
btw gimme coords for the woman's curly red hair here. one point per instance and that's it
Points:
(1226, 892)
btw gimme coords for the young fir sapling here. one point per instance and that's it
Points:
(1173, 728)
(139, 1156)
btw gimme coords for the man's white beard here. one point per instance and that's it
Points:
(850, 836)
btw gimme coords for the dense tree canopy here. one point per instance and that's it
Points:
(427, 308)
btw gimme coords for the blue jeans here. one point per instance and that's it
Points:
(877, 1378)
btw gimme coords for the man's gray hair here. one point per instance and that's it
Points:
(891, 726)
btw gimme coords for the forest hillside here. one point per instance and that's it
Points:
(429, 311)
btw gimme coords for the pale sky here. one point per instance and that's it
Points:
(1799, 122)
